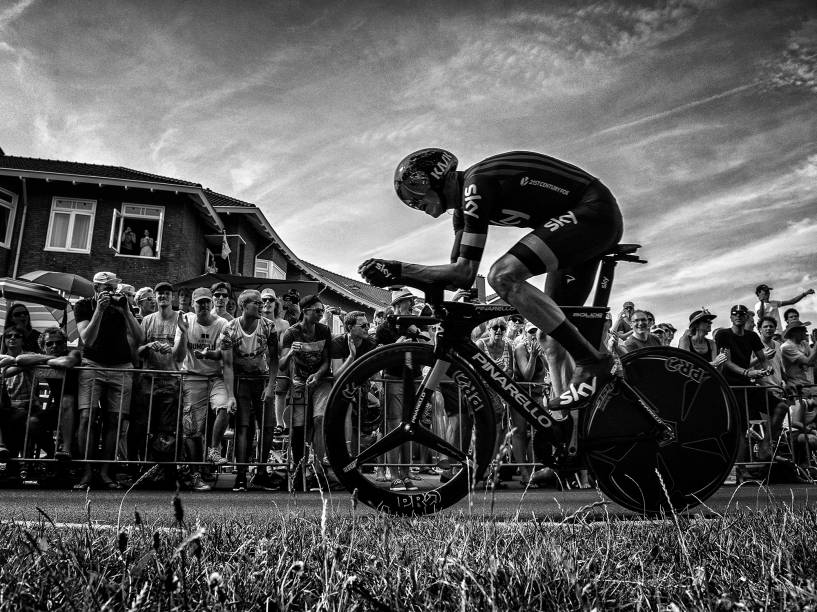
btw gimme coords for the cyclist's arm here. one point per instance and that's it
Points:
(460, 274)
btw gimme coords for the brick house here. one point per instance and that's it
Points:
(81, 218)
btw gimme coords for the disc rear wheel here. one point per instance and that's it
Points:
(622, 444)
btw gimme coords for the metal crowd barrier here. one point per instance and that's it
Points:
(151, 405)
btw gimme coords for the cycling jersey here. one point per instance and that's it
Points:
(519, 188)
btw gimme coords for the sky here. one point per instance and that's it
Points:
(699, 115)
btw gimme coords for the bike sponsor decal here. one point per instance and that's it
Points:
(470, 392)
(425, 502)
(499, 376)
(558, 222)
(534, 183)
(472, 198)
(676, 364)
(574, 393)
(587, 315)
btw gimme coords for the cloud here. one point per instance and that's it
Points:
(13, 12)
(796, 67)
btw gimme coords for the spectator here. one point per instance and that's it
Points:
(291, 308)
(271, 310)
(529, 367)
(623, 326)
(128, 245)
(516, 328)
(791, 315)
(389, 333)
(232, 307)
(146, 245)
(198, 345)
(21, 397)
(658, 332)
(768, 307)
(641, 336)
(160, 394)
(774, 359)
(499, 350)
(347, 347)
(107, 328)
(250, 342)
(696, 341)
(185, 304)
(669, 333)
(58, 414)
(19, 317)
(376, 322)
(146, 302)
(796, 361)
(221, 295)
(739, 345)
(305, 354)
(129, 291)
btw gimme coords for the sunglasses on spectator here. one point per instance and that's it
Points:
(14, 335)
(640, 320)
(221, 295)
(516, 320)
(498, 328)
(532, 331)
(267, 299)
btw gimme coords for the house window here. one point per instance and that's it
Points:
(264, 268)
(71, 225)
(8, 206)
(136, 230)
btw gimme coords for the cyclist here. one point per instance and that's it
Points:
(574, 220)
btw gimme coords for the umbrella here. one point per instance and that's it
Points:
(46, 306)
(73, 285)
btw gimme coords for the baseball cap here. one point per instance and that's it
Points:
(202, 293)
(760, 288)
(143, 293)
(402, 294)
(267, 292)
(739, 309)
(104, 278)
(657, 329)
(163, 286)
(530, 326)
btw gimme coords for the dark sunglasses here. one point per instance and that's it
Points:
(498, 328)
(15, 335)
(267, 299)
(221, 295)
(516, 320)
(532, 331)
(640, 320)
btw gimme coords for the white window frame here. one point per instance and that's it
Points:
(272, 270)
(73, 214)
(118, 222)
(8, 200)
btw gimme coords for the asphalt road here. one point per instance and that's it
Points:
(259, 508)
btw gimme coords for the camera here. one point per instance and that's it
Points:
(117, 298)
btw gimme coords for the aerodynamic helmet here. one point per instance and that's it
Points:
(422, 171)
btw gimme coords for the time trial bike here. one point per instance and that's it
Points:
(662, 434)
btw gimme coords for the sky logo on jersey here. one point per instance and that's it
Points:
(534, 183)
(512, 218)
(471, 206)
(556, 222)
(442, 166)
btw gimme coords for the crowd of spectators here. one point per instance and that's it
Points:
(174, 384)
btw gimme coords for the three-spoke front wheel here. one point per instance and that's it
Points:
(398, 464)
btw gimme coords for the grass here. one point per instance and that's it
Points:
(744, 560)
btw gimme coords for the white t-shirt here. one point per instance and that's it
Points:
(772, 309)
(202, 337)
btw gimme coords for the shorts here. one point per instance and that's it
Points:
(595, 226)
(111, 387)
(250, 406)
(309, 400)
(197, 393)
